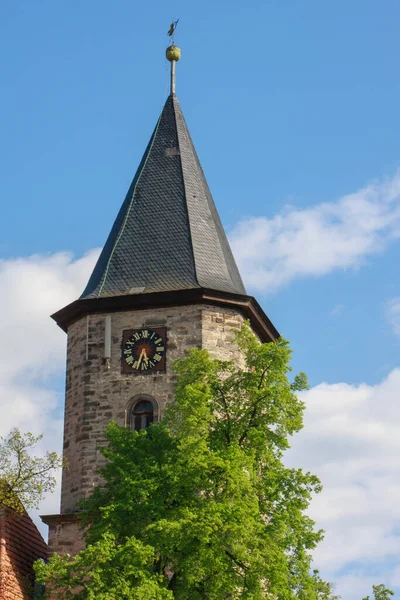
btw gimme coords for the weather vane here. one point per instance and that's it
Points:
(173, 54)
(171, 31)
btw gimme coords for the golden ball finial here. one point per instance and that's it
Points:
(173, 53)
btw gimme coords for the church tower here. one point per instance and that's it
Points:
(166, 281)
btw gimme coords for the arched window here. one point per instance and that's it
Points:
(142, 411)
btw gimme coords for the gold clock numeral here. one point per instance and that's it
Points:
(129, 360)
(157, 357)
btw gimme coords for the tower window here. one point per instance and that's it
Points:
(142, 415)
(141, 411)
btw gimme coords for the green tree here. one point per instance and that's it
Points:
(201, 506)
(381, 592)
(24, 478)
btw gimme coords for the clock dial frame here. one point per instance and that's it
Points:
(143, 350)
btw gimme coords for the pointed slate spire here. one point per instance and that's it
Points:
(167, 235)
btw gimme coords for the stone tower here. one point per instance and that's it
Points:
(165, 281)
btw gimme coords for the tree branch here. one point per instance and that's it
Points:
(237, 562)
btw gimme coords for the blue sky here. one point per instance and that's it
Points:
(293, 108)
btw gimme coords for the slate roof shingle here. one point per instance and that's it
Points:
(167, 235)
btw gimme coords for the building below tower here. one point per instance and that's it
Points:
(21, 545)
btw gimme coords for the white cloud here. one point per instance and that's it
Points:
(351, 441)
(337, 310)
(32, 289)
(393, 314)
(32, 349)
(316, 241)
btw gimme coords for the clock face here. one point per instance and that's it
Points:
(143, 350)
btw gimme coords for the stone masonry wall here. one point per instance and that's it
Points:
(66, 536)
(96, 394)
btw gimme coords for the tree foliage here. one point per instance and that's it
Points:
(201, 505)
(381, 592)
(24, 478)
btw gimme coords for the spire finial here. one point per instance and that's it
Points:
(173, 54)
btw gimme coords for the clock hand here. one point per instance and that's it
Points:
(140, 357)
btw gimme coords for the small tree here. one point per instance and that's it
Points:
(201, 506)
(24, 478)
